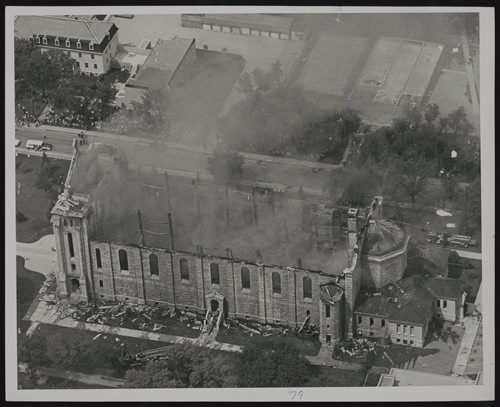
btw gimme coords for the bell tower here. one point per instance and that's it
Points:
(70, 225)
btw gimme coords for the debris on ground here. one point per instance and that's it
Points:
(353, 348)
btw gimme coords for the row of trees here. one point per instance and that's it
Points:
(275, 118)
(54, 77)
(402, 159)
(266, 362)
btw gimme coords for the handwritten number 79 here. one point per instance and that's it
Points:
(296, 395)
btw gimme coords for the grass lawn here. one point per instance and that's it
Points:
(332, 377)
(28, 284)
(32, 202)
(238, 337)
(98, 365)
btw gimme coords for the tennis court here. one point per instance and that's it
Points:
(330, 68)
(398, 68)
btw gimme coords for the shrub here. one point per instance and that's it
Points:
(21, 217)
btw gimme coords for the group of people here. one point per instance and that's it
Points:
(24, 117)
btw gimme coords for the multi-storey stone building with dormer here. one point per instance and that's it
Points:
(92, 43)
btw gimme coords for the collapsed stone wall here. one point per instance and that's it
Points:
(259, 302)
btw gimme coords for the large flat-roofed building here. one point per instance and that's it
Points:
(167, 64)
(405, 377)
(91, 43)
(264, 25)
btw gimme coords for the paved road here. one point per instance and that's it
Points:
(39, 256)
(469, 254)
(470, 75)
(91, 379)
(188, 160)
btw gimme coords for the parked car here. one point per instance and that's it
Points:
(44, 147)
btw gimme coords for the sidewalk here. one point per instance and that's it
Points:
(471, 326)
(91, 379)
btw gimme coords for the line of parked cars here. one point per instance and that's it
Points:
(37, 145)
(452, 240)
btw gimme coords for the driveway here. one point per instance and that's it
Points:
(39, 256)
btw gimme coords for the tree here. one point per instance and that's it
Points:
(458, 122)
(359, 184)
(431, 113)
(471, 222)
(39, 73)
(411, 178)
(449, 189)
(50, 178)
(327, 138)
(225, 165)
(186, 366)
(264, 120)
(272, 363)
(32, 351)
(153, 112)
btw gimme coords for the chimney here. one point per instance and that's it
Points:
(259, 256)
(377, 211)
(299, 263)
(352, 227)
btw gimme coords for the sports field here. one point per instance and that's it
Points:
(397, 69)
(330, 68)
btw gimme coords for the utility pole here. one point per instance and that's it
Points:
(228, 226)
(167, 185)
(254, 205)
(171, 230)
(198, 206)
(287, 237)
(141, 230)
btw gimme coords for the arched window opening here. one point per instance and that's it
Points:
(153, 265)
(245, 278)
(214, 273)
(184, 264)
(276, 280)
(122, 255)
(70, 244)
(307, 287)
(98, 258)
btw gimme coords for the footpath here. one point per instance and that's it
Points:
(471, 325)
(91, 379)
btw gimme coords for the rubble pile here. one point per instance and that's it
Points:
(353, 348)
(135, 316)
(252, 328)
(48, 291)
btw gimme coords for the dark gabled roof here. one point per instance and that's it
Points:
(442, 287)
(383, 237)
(405, 301)
(94, 31)
(434, 260)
